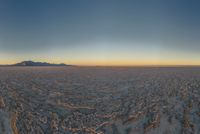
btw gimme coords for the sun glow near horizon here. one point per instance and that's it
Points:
(111, 62)
(104, 56)
(124, 33)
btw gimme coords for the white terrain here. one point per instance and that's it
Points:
(99, 100)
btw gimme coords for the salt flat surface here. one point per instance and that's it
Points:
(91, 100)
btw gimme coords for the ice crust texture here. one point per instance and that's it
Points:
(91, 100)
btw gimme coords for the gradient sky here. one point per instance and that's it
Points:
(101, 32)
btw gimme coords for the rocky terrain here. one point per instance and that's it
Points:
(92, 100)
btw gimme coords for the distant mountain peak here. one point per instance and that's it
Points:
(32, 63)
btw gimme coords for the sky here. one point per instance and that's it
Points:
(100, 32)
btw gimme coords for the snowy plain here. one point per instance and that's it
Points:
(103, 100)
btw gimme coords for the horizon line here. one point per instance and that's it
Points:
(110, 65)
(76, 65)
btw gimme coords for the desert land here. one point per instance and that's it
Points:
(99, 100)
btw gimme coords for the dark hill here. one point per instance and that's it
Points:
(31, 63)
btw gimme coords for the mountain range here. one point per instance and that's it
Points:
(32, 63)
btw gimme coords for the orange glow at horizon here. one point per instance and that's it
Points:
(132, 63)
(112, 62)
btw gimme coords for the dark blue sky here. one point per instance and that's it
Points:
(100, 31)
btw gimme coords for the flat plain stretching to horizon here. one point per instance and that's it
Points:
(99, 100)
(99, 67)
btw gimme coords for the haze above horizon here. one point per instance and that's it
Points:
(105, 32)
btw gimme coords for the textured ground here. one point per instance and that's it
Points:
(66, 100)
